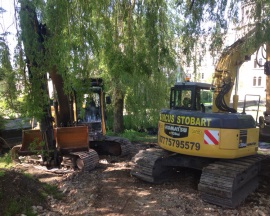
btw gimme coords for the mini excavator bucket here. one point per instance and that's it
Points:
(71, 139)
(31, 142)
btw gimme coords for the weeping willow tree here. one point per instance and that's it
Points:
(8, 97)
(208, 22)
(204, 22)
(137, 55)
(127, 42)
(7, 80)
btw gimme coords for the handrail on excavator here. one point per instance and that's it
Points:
(244, 107)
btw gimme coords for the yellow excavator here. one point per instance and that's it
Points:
(78, 144)
(213, 138)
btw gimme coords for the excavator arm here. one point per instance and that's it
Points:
(227, 68)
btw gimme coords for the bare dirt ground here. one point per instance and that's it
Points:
(110, 190)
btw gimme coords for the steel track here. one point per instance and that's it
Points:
(225, 183)
(86, 161)
(145, 165)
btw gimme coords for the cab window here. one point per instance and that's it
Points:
(183, 99)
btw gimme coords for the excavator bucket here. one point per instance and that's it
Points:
(31, 142)
(73, 142)
(71, 139)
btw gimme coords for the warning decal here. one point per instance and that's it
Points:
(211, 137)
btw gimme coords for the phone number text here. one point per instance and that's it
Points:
(180, 144)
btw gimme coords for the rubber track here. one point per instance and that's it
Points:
(227, 183)
(144, 164)
(125, 144)
(87, 160)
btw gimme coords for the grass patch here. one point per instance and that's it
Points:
(13, 208)
(52, 191)
(135, 136)
(46, 189)
(2, 173)
(6, 161)
(20, 191)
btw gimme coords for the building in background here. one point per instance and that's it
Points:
(252, 80)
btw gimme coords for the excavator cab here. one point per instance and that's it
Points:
(190, 127)
(90, 111)
(90, 108)
(191, 96)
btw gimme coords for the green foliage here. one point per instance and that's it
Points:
(135, 136)
(52, 190)
(5, 161)
(208, 20)
(2, 121)
(118, 40)
(136, 56)
(206, 97)
(38, 148)
(12, 208)
(128, 43)
(19, 200)
(109, 117)
(8, 90)
(36, 145)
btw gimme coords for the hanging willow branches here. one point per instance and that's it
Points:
(127, 42)
(208, 22)
(130, 43)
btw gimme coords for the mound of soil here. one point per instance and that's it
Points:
(19, 191)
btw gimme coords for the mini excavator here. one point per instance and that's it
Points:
(201, 131)
(79, 144)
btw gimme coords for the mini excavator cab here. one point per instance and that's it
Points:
(191, 96)
(190, 127)
(90, 108)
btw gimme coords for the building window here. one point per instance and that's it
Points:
(260, 62)
(254, 81)
(259, 81)
(255, 64)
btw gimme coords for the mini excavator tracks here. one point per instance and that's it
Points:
(125, 144)
(82, 160)
(146, 165)
(115, 146)
(225, 182)
(86, 161)
(228, 182)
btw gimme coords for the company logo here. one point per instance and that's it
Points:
(176, 131)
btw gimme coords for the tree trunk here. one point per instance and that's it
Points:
(35, 51)
(35, 48)
(64, 117)
(118, 102)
